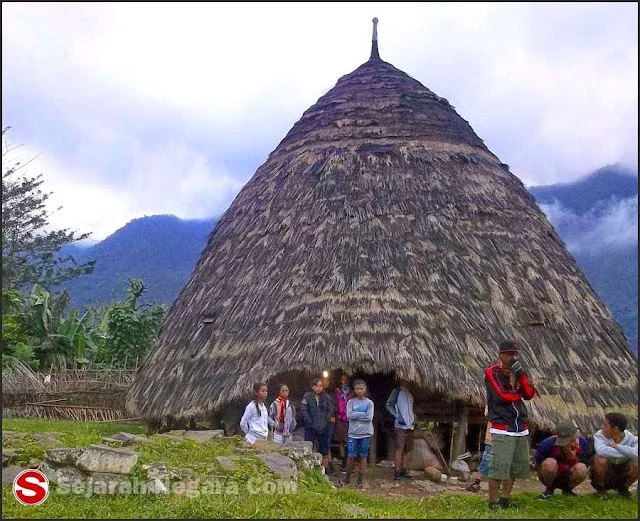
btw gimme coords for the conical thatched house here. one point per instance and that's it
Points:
(382, 236)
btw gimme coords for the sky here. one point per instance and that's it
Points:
(135, 109)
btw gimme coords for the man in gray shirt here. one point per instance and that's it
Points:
(400, 406)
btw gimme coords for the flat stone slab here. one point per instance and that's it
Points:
(204, 436)
(65, 476)
(280, 465)
(355, 510)
(46, 435)
(227, 463)
(128, 439)
(8, 455)
(14, 434)
(9, 473)
(49, 439)
(100, 458)
(266, 446)
(67, 456)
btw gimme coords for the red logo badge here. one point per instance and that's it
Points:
(31, 487)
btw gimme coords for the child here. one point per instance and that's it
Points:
(483, 468)
(255, 420)
(342, 395)
(317, 414)
(282, 416)
(360, 414)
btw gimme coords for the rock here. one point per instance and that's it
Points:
(433, 474)
(67, 456)
(157, 471)
(100, 458)
(422, 456)
(9, 473)
(183, 473)
(355, 510)
(45, 435)
(156, 487)
(280, 465)
(34, 463)
(227, 464)
(171, 437)
(107, 483)
(316, 458)
(13, 434)
(266, 446)
(204, 436)
(176, 432)
(8, 455)
(306, 446)
(415, 473)
(120, 443)
(129, 439)
(241, 451)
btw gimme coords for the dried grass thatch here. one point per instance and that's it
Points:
(382, 234)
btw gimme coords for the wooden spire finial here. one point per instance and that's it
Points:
(374, 41)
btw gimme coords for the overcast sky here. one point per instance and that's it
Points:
(142, 109)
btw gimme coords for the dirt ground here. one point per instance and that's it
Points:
(378, 482)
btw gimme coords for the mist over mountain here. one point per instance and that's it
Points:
(596, 216)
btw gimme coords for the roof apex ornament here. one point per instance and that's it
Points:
(374, 41)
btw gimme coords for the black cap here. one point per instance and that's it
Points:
(508, 346)
(565, 432)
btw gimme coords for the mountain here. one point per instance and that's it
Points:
(596, 216)
(162, 250)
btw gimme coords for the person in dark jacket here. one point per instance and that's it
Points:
(561, 461)
(507, 386)
(317, 413)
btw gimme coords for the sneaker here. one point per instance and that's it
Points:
(473, 487)
(359, 485)
(404, 474)
(494, 506)
(546, 495)
(340, 483)
(569, 493)
(601, 494)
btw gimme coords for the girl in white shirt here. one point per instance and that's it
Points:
(255, 420)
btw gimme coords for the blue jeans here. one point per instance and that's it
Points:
(358, 447)
(483, 468)
(323, 438)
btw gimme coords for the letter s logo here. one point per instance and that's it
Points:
(31, 487)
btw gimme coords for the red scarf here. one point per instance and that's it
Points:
(282, 406)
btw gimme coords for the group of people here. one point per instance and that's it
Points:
(344, 416)
(563, 460)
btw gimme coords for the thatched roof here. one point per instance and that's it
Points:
(382, 234)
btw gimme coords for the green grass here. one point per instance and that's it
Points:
(313, 498)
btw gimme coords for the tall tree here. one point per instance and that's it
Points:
(30, 249)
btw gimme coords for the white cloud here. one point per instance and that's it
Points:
(601, 228)
(165, 107)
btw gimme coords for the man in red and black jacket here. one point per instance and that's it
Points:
(507, 388)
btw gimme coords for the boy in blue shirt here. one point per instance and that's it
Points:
(360, 415)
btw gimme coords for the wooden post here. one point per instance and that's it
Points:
(460, 433)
